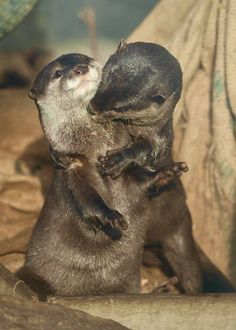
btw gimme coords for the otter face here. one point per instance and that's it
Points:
(141, 83)
(158, 111)
(62, 92)
(71, 77)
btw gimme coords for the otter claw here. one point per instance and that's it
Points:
(112, 164)
(182, 166)
(116, 220)
(167, 174)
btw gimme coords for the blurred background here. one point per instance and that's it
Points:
(68, 26)
(55, 27)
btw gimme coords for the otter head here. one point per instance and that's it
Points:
(62, 91)
(141, 83)
(71, 77)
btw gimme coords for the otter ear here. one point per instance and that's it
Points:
(31, 94)
(121, 47)
(34, 93)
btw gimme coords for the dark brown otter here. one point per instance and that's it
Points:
(141, 84)
(81, 243)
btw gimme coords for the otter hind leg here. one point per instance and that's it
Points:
(179, 249)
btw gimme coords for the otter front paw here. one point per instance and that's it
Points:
(110, 219)
(165, 176)
(168, 173)
(113, 163)
(115, 220)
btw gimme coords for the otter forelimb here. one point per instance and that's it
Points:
(83, 196)
(116, 161)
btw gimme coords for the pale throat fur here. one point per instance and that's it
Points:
(63, 111)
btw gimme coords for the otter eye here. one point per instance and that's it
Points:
(57, 74)
(159, 99)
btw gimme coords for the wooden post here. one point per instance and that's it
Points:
(17, 314)
(152, 312)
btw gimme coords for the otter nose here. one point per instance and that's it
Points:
(78, 71)
(81, 69)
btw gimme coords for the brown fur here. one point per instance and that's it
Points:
(145, 83)
(68, 253)
(140, 86)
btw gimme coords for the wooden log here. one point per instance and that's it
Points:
(151, 312)
(16, 314)
(10, 285)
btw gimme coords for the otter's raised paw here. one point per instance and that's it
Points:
(165, 176)
(115, 220)
(110, 218)
(112, 164)
(168, 173)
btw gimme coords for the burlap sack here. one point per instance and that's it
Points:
(20, 190)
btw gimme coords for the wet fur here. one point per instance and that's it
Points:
(134, 76)
(155, 80)
(66, 254)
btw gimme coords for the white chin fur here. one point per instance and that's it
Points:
(73, 83)
(84, 87)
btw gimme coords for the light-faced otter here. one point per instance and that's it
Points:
(66, 256)
(141, 84)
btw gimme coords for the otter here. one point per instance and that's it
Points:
(81, 243)
(140, 87)
(137, 81)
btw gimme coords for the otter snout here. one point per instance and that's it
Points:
(81, 81)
